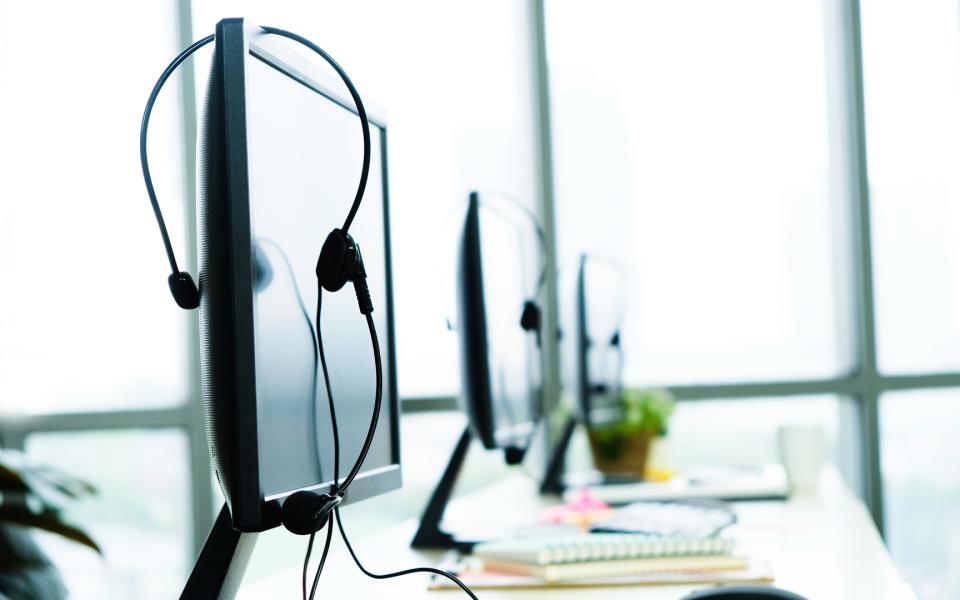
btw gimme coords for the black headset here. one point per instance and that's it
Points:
(339, 262)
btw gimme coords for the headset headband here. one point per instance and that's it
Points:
(182, 285)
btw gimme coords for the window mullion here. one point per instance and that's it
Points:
(851, 162)
(200, 466)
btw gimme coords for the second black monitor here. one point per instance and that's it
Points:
(500, 276)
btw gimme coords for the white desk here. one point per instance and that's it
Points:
(822, 547)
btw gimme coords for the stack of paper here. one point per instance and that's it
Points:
(606, 559)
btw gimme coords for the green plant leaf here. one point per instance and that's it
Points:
(47, 521)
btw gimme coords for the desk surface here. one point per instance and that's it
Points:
(823, 547)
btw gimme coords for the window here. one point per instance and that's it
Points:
(91, 325)
(911, 57)
(920, 466)
(911, 64)
(743, 431)
(697, 141)
(732, 155)
(140, 516)
(89, 338)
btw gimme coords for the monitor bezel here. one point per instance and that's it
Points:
(476, 398)
(240, 42)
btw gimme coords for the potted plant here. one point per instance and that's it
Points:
(32, 496)
(623, 447)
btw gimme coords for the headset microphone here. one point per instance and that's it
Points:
(184, 290)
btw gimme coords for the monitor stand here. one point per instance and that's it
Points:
(429, 534)
(556, 465)
(219, 568)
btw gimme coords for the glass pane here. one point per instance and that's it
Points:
(911, 55)
(140, 517)
(740, 432)
(921, 485)
(694, 152)
(77, 234)
(457, 91)
(744, 431)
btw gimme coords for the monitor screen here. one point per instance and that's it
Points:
(600, 304)
(304, 156)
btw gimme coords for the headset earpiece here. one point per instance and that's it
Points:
(262, 271)
(340, 261)
(337, 263)
(530, 317)
(306, 512)
(615, 339)
(184, 290)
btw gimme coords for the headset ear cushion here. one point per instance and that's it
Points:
(337, 262)
(262, 271)
(307, 512)
(530, 317)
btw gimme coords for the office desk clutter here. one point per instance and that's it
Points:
(588, 543)
(718, 482)
(603, 559)
(684, 519)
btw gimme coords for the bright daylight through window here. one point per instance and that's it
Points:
(769, 187)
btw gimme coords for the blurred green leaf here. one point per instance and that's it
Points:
(47, 521)
(33, 495)
(644, 411)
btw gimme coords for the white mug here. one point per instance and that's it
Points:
(802, 452)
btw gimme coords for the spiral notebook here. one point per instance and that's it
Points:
(599, 547)
(621, 568)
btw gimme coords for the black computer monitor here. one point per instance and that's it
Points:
(598, 348)
(499, 278)
(279, 156)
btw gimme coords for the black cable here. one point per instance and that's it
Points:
(306, 562)
(361, 112)
(447, 574)
(377, 400)
(323, 556)
(326, 381)
(340, 488)
(366, 446)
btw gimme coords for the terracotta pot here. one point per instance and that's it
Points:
(621, 454)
